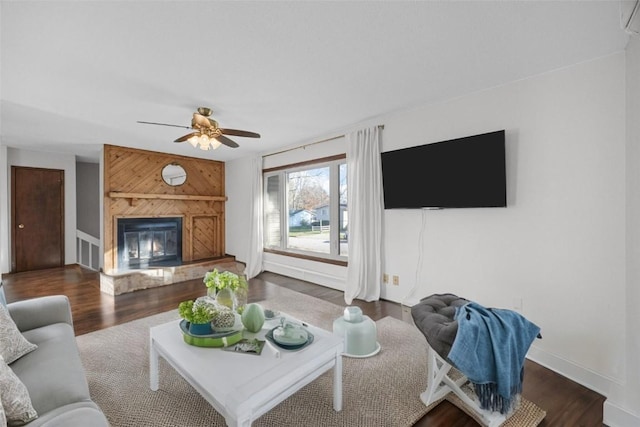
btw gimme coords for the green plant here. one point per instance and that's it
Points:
(198, 311)
(185, 309)
(223, 279)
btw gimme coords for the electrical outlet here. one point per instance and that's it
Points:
(385, 278)
(396, 280)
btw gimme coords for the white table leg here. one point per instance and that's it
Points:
(238, 422)
(153, 366)
(337, 382)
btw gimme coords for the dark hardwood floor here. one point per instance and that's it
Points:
(566, 402)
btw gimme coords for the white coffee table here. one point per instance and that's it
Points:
(243, 387)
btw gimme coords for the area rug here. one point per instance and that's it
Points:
(382, 390)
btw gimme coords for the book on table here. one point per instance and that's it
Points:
(248, 346)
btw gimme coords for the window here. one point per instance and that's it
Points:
(305, 209)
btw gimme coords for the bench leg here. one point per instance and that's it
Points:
(439, 385)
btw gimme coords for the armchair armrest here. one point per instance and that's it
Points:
(36, 312)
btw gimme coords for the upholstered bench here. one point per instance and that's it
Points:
(435, 317)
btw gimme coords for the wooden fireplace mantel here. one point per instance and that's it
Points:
(135, 196)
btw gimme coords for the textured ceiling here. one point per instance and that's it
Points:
(78, 74)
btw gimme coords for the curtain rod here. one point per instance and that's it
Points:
(311, 143)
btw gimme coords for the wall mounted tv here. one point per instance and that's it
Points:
(460, 173)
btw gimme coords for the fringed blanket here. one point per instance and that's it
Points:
(489, 349)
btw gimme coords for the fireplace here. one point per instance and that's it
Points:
(149, 242)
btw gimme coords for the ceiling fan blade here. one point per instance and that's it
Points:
(226, 141)
(237, 132)
(164, 124)
(187, 136)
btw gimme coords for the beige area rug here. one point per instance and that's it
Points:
(379, 391)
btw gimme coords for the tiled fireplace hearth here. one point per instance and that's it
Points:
(123, 282)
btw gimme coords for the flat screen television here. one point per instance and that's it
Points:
(466, 172)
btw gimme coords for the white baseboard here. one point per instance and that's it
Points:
(592, 380)
(406, 315)
(328, 280)
(615, 416)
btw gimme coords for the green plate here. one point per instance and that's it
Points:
(269, 337)
(223, 339)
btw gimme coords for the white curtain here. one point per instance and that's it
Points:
(256, 229)
(365, 207)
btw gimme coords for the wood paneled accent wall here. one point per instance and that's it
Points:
(134, 187)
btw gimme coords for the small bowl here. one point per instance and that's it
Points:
(290, 334)
(271, 314)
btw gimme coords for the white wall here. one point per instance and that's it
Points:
(26, 158)
(238, 207)
(88, 198)
(559, 247)
(562, 236)
(623, 406)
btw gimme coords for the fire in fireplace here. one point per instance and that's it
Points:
(149, 242)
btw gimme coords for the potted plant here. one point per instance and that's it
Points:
(199, 314)
(227, 288)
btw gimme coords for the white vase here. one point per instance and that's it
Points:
(359, 332)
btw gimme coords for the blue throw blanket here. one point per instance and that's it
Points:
(489, 349)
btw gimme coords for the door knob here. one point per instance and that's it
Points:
(20, 225)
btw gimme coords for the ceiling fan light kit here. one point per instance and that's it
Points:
(208, 135)
(203, 142)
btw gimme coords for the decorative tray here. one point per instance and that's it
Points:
(219, 339)
(269, 337)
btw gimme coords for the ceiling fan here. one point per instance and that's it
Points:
(207, 134)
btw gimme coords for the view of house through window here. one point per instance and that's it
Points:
(310, 203)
